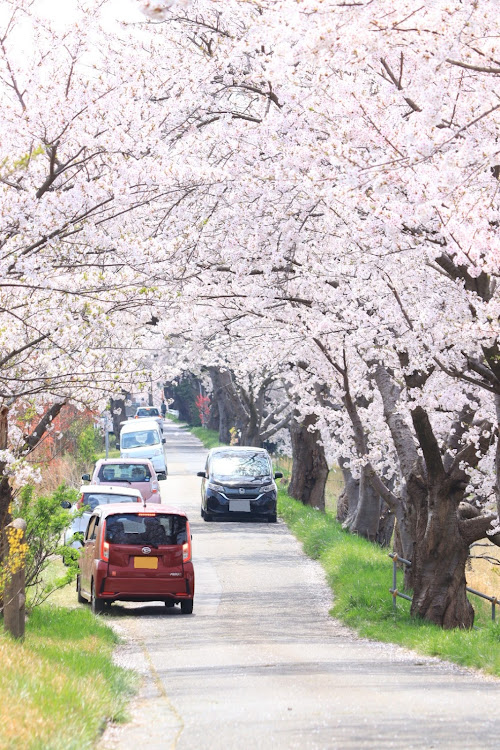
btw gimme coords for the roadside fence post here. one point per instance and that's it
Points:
(394, 590)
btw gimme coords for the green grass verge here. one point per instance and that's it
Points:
(59, 686)
(360, 575)
(112, 453)
(209, 438)
(172, 418)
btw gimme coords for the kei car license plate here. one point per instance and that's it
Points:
(146, 562)
(239, 506)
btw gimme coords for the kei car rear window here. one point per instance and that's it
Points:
(124, 473)
(152, 529)
(94, 499)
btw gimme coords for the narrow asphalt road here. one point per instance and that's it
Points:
(260, 663)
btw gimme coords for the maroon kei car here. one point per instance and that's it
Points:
(136, 553)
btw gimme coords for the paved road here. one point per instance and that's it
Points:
(260, 664)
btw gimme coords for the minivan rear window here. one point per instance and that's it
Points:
(141, 439)
(124, 473)
(153, 529)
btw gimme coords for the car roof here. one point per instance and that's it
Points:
(144, 424)
(153, 508)
(106, 461)
(110, 489)
(237, 449)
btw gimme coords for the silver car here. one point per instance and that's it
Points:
(91, 496)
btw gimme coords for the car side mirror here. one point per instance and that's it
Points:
(163, 440)
(201, 474)
(65, 504)
(278, 475)
(86, 477)
(117, 446)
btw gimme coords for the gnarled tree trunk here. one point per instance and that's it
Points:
(443, 532)
(228, 404)
(441, 552)
(309, 466)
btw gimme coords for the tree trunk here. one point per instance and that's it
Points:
(5, 488)
(251, 435)
(385, 526)
(367, 517)
(118, 415)
(213, 418)
(443, 536)
(349, 497)
(229, 406)
(440, 555)
(497, 455)
(309, 466)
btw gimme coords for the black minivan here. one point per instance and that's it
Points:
(238, 482)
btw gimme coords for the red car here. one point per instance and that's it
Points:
(136, 554)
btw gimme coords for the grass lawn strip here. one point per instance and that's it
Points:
(360, 575)
(59, 686)
(209, 438)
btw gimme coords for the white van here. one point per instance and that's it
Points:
(142, 438)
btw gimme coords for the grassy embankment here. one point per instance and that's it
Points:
(59, 686)
(360, 575)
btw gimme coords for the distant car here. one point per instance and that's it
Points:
(136, 473)
(144, 439)
(149, 412)
(136, 554)
(92, 495)
(238, 482)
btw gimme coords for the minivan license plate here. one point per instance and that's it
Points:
(239, 506)
(146, 562)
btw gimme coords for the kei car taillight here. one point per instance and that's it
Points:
(186, 547)
(104, 544)
(80, 501)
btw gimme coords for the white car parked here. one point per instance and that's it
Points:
(91, 496)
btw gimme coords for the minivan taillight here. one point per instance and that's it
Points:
(186, 547)
(104, 545)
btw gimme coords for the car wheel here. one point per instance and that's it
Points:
(187, 607)
(96, 604)
(162, 476)
(79, 596)
(272, 518)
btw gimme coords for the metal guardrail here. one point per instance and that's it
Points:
(395, 593)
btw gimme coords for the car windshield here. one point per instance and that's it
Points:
(124, 473)
(153, 412)
(246, 464)
(140, 439)
(93, 499)
(151, 529)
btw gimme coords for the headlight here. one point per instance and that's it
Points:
(268, 488)
(215, 487)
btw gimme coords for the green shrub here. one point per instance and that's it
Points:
(46, 521)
